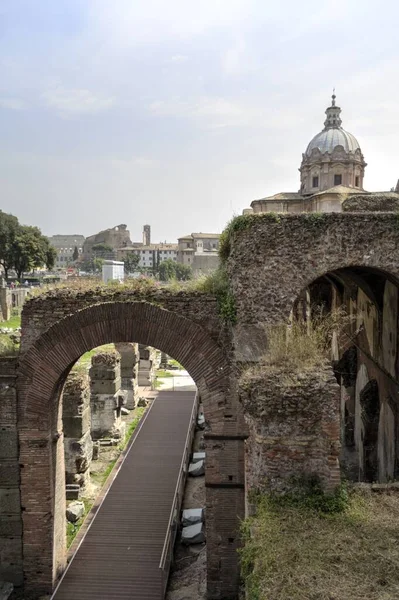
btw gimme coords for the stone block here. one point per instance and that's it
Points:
(8, 443)
(10, 501)
(9, 474)
(105, 386)
(10, 526)
(76, 426)
(101, 372)
(78, 453)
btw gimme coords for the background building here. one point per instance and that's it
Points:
(115, 237)
(332, 170)
(65, 246)
(150, 255)
(199, 251)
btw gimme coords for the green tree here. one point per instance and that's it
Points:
(131, 260)
(8, 228)
(75, 254)
(102, 249)
(31, 250)
(183, 272)
(167, 270)
(97, 264)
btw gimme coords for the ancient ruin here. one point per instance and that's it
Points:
(338, 417)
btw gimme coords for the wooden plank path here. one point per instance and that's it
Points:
(119, 556)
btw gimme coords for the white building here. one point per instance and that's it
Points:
(150, 255)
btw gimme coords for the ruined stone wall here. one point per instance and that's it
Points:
(293, 421)
(274, 257)
(11, 568)
(40, 313)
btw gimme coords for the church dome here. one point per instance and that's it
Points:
(328, 139)
(333, 134)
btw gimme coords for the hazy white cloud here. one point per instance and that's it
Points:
(12, 103)
(178, 58)
(76, 101)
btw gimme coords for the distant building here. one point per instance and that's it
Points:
(199, 251)
(332, 171)
(147, 235)
(115, 237)
(150, 255)
(65, 246)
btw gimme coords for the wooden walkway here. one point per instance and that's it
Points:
(119, 556)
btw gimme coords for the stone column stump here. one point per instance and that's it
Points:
(76, 417)
(106, 396)
(129, 371)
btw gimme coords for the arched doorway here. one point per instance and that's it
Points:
(42, 372)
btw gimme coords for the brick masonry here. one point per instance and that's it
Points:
(270, 263)
(43, 367)
(293, 420)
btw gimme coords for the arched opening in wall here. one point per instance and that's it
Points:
(363, 347)
(43, 371)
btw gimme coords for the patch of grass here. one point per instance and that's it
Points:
(8, 347)
(304, 343)
(133, 425)
(162, 373)
(310, 547)
(218, 284)
(73, 528)
(13, 323)
(174, 362)
(237, 223)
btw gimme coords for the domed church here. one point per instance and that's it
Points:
(332, 170)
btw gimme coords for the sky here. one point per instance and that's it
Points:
(180, 113)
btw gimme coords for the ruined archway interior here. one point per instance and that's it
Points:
(365, 359)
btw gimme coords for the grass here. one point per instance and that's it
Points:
(162, 373)
(73, 528)
(297, 549)
(7, 346)
(305, 343)
(13, 323)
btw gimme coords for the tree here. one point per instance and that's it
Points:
(131, 260)
(8, 228)
(183, 272)
(75, 254)
(31, 250)
(167, 270)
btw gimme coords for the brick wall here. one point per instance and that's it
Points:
(293, 420)
(10, 505)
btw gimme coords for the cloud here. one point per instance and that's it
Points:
(12, 103)
(76, 101)
(178, 58)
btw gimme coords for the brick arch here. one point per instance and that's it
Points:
(55, 352)
(42, 371)
(345, 273)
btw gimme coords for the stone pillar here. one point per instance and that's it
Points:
(106, 396)
(11, 569)
(78, 443)
(129, 371)
(146, 365)
(5, 303)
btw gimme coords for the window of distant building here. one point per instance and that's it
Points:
(315, 182)
(357, 181)
(337, 179)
